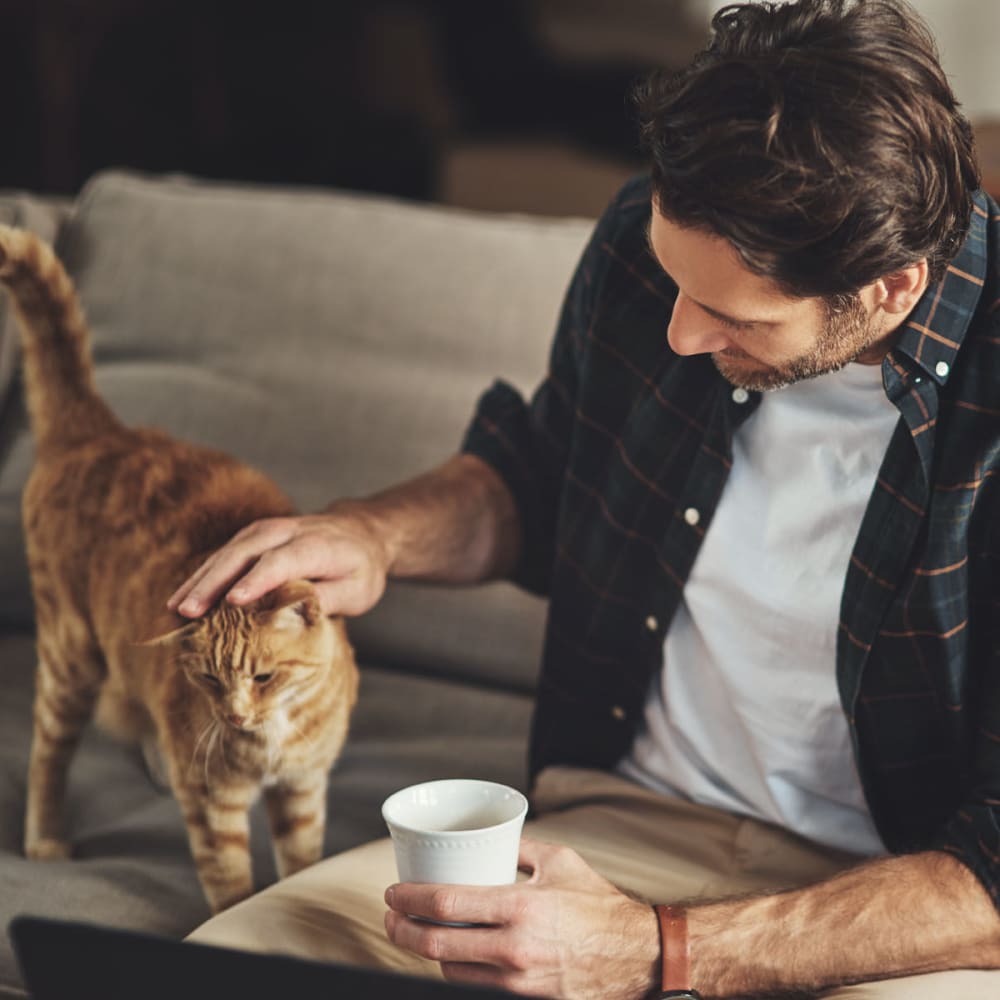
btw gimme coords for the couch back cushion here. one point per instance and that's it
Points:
(338, 342)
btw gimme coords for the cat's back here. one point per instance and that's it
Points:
(115, 518)
(144, 481)
(128, 514)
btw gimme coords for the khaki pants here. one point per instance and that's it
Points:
(660, 848)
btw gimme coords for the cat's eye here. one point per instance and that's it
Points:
(211, 680)
(262, 678)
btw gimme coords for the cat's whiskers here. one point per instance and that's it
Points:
(210, 748)
(222, 748)
(301, 735)
(198, 743)
(271, 742)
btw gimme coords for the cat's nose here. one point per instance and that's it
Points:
(236, 720)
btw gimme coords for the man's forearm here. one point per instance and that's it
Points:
(455, 524)
(891, 917)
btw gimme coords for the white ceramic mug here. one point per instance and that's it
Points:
(458, 831)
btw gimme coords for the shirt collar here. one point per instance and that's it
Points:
(934, 331)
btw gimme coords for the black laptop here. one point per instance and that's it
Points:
(61, 960)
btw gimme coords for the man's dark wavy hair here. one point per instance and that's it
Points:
(821, 138)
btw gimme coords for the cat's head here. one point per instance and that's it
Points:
(250, 662)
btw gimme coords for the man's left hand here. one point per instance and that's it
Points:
(563, 932)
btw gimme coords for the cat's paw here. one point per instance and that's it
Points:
(47, 849)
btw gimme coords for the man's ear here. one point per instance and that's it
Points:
(899, 292)
(293, 606)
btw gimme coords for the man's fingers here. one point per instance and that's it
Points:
(538, 857)
(268, 553)
(473, 945)
(466, 904)
(490, 950)
(262, 576)
(243, 573)
(180, 595)
(529, 853)
(207, 584)
(342, 584)
(211, 581)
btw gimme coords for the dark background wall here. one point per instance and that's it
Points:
(499, 104)
(511, 103)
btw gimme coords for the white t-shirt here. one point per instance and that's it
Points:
(745, 715)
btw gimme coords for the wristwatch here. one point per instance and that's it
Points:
(675, 949)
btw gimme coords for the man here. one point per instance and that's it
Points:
(759, 487)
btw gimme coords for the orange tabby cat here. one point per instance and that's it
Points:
(115, 519)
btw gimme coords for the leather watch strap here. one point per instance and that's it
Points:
(675, 947)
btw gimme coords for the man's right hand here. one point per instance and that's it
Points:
(457, 524)
(341, 551)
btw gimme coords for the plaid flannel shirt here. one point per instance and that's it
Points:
(617, 466)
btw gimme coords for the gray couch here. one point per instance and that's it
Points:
(339, 343)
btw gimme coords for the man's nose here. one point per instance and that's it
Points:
(692, 331)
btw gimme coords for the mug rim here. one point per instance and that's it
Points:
(395, 824)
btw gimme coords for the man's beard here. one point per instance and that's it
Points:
(848, 332)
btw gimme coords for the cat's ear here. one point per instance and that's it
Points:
(293, 606)
(175, 638)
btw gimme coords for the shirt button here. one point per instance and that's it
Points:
(942, 368)
(619, 713)
(740, 395)
(692, 516)
(652, 624)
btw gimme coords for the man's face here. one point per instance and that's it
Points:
(759, 337)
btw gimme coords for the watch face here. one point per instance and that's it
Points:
(679, 995)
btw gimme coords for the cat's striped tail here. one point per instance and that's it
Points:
(63, 403)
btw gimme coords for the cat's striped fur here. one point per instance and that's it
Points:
(115, 518)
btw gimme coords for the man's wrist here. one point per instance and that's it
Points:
(372, 526)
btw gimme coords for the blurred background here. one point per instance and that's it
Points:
(509, 105)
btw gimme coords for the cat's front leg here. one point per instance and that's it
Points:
(219, 833)
(297, 811)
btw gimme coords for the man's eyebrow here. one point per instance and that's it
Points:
(731, 320)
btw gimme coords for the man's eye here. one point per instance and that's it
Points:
(211, 680)
(262, 678)
(733, 325)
